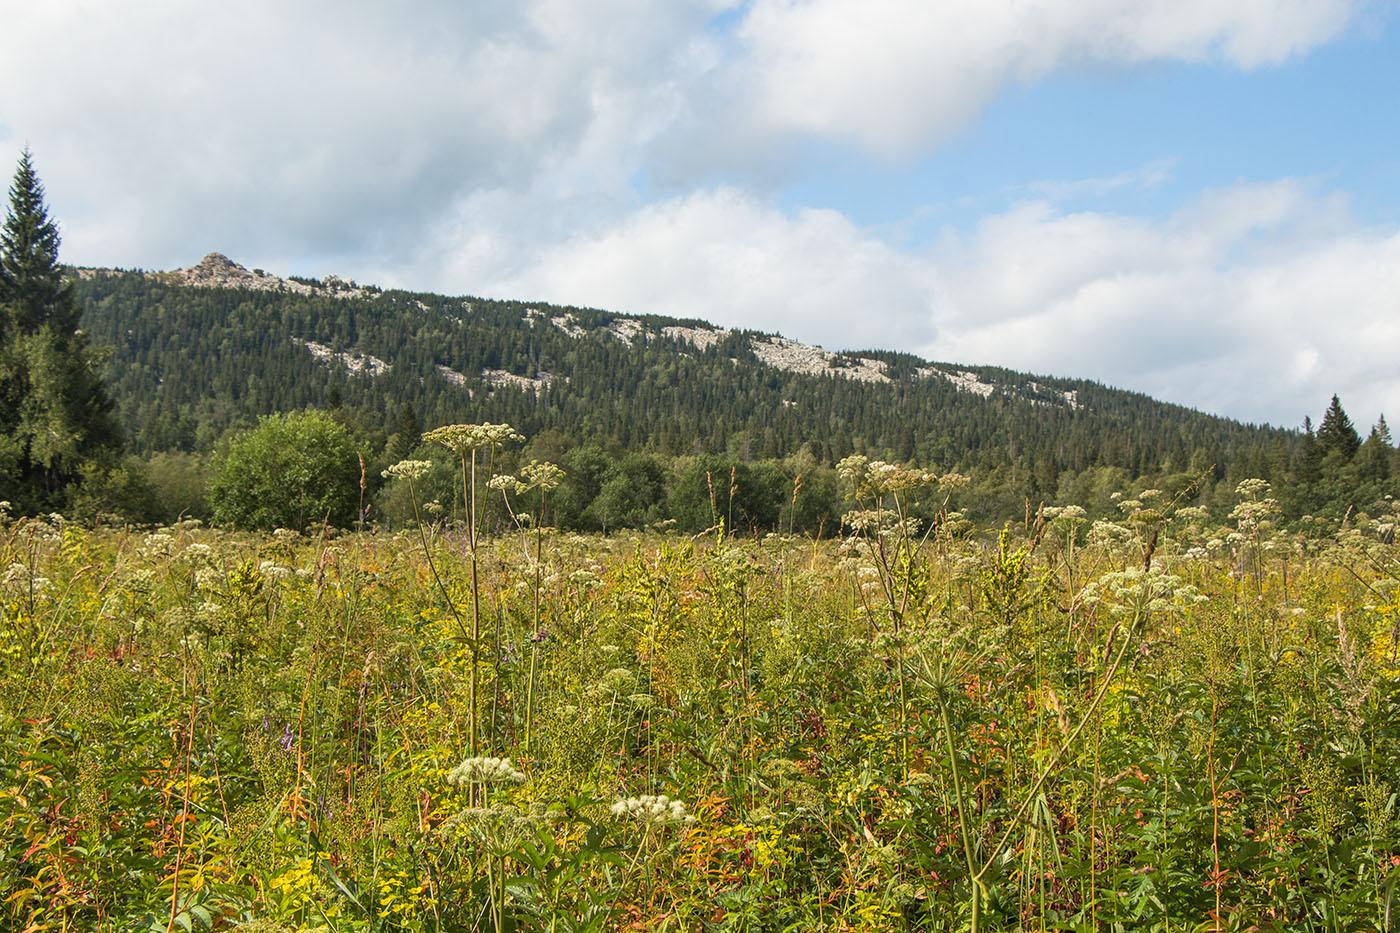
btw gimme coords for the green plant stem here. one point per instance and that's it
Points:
(432, 566)
(534, 638)
(974, 877)
(469, 491)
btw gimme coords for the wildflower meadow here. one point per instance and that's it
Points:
(1161, 720)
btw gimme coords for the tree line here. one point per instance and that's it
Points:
(1331, 474)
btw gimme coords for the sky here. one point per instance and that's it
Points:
(1195, 199)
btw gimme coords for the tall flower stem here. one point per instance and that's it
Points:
(469, 489)
(432, 565)
(535, 636)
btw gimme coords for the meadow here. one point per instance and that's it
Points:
(1165, 721)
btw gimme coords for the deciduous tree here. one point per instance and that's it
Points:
(290, 471)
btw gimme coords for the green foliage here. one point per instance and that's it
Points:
(408, 432)
(179, 484)
(750, 497)
(31, 280)
(1336, 432)
(57, 425)
(633, 494)
(291, 471)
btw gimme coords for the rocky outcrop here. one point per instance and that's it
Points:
(794, 357)
(218, 271)
(354, 363)
(500, 378)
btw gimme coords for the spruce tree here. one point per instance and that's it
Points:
(1310, 454)
(1337, 432)
(1374, 456)
(56, 421)
(31, 280)
(406, 437)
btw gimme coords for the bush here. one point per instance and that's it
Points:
(291, 471)
(180, 483)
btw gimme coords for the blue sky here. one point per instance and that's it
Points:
(1331, 116)
(1199, 200)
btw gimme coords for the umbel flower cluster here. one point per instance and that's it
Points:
(485, 771)
(408, 469)
(656, 809)
(1140, 591)
(459, 438)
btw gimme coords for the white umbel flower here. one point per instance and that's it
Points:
(485, 771)
(655, 809)
(408, 469)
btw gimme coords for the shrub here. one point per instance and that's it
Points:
(290, 471)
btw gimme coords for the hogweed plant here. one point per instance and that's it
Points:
(467, 441)
(886, 533)
(541, 477)
(1132, 597)
(496, 829)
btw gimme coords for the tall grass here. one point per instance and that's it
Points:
(1158, 723)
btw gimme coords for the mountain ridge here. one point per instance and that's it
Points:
(216, 270)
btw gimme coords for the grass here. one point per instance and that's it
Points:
(1154, 724)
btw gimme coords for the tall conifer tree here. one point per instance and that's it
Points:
(56, 420)
(31, 280)
(1310, 454)
(1337, 432)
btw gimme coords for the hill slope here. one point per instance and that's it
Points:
(198, 350)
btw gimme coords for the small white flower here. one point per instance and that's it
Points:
(141, 581)
(485, 770)
(459, 438)
(654, 809)
(504, 482)
(407, 469)
(274, 571)
(158, 544)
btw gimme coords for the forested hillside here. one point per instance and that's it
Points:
(198, 352)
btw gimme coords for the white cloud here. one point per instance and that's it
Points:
(898, 75)
(1151, 175)
(333, 129)
(495, 148)
(342, 131)
(1257, 301)
(724, 257)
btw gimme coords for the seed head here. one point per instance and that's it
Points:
(537, 475)
(461, 438)
(505, 483)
